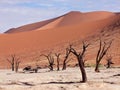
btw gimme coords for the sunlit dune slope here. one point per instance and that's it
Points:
(71, 18)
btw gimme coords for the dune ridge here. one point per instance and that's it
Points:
(73, 17)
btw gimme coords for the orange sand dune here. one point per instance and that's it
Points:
(67, 28)
(30, 27)
(73, 17)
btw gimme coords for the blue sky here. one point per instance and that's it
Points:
(14, 13)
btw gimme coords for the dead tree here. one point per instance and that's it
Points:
(58, 60)
(14, 62)
(79, 56)
(65, 61)
(103, 48)
(17, 63)
(50, 59)
(109, 61)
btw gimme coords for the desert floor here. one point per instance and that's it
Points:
(107, 79)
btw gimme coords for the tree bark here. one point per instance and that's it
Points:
(12, 67)
(97, 67)
(58, 60)
(84, 76)
(58, 68)
(51, 68)
(64, 66)
(103, 48)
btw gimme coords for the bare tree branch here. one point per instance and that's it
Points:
(80, 56)
(50, 59)
(103, 48)
(14, 62)
(58, 60)
(66, 58)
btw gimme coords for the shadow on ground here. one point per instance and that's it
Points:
(61, 83)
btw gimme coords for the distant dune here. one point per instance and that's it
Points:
(67, 28)
(71, 18)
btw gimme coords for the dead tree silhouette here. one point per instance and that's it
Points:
(58, 60)
(11, 61)
(14, 62)
(17, 63)
(79, 56)
(65, 61)
(50, 59)
(103, 48)
(109, 61)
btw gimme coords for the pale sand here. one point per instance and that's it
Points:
(107, 79)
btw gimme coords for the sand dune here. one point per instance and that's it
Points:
(30, 27)
(73, 17)
(66, 28)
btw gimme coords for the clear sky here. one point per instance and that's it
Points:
(14, 13)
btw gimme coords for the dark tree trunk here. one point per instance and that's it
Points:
(97, 67)
(108, 66)
(103, 48)
(80, 57)
(109, 62)
(65, 59)
(64, 66)
(84, 76)
(14, 62)
(58, 68)
(17, 62)
(12, 67)
(51, 68)
(58, 59)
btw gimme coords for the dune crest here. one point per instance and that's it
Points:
(73, 17)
